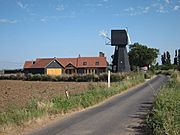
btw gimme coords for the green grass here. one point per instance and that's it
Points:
(57, 105)
(165, 116)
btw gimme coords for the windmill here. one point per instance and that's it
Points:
(120, 39)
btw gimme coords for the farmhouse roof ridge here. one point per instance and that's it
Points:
(78, 62)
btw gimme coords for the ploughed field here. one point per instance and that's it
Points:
(18, 93)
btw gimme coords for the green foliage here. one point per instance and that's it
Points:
(166, 58)
(115, 77)
(141, 55)
(166, 72)
(147, 76)
(92, 96)
(165, 116)
(12, 77)
(178, 57)
(167, 67)
(19, 115)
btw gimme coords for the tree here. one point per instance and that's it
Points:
(175, 58)
(168, 60)
(141, 55)
(163, 58)
(178, 56)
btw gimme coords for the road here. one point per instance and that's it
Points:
(120, 115)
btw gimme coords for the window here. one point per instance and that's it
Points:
(84, 63)
(97, 62)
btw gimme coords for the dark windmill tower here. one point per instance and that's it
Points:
(119, 39)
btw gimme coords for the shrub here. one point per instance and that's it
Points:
(29, 77)
(103, 77)
(46, 78)
(12, 77)
(37, 77)
(115, 77)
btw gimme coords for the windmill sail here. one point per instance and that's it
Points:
(129, 39)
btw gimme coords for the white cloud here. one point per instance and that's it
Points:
(44, 20)
(133, 11)
(129, 9)
(176, 8)
(26, 7)
(159, 6)
(60, 7)
(47, 19)
(21, 5)
(93, 5)
(146, 9)
(6, 21)
(167, 1)
(162, 9)
(99, 5)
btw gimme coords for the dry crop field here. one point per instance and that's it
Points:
(19, 93)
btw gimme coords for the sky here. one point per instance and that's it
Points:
(31, 29)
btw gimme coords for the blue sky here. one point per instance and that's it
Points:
(67, 28)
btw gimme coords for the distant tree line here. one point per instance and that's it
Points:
(177, 57)
(166, 60)
(141, 55)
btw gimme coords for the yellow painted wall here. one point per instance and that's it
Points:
(54, 71)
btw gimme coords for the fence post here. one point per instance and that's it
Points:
(109, 78)
(67, 94)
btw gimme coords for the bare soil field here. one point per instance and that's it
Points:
(19, 93)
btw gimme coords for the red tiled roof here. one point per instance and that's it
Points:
(39, 63)
(91, 62)
(76, 62)
(65, 61)
(27, 64)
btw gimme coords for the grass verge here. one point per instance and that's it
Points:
(57, 105)
(165, 116)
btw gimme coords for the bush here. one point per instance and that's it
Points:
(103, 77)
(12, 77)
(148, 74)
(115, 77)
(46, 78)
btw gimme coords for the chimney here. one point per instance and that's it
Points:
(33, 62)
(101, 54)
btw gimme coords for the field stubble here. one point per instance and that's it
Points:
(19, 93)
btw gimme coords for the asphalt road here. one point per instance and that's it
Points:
(120, 115)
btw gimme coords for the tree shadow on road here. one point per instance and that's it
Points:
(138, 125)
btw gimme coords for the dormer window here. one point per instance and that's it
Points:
(97, 63)
(34, 62)
(84, 63)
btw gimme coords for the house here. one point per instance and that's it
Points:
(58, 66)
